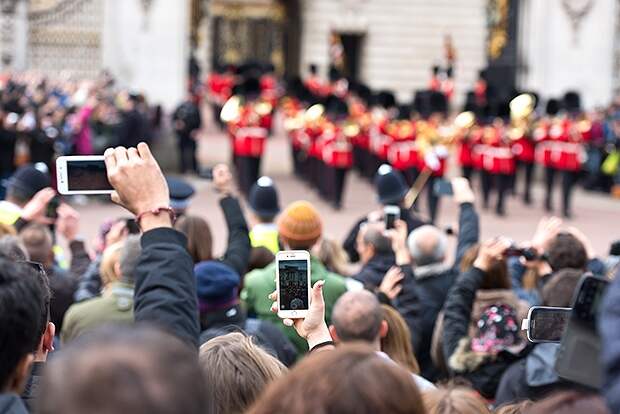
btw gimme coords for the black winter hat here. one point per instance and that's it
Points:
(263, 198)
(390, 184)
(30, 179)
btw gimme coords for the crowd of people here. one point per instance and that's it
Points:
(43, 117)
(149, 319)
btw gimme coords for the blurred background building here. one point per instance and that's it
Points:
(545, 46)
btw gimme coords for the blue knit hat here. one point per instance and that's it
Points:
(217, 285)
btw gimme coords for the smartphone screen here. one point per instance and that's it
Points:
(293, 281)
(548, 324)
(89, 175)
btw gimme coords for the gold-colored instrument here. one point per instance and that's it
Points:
(465, 120)
(263, 107)
(231, 109)
(521, 109)
(314, 113)
(350, 128)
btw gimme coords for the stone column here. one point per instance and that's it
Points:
(146, 47)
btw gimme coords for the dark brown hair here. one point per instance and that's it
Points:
(496, 277)
(349, 379)
(569, 402)
(134, 369)
(397, 342)
(199, 239)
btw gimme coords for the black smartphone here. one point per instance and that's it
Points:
(526, 252)
(578, 358)
(206, 173)
(443, 188)
(546, 323)
(51, 210)
(132, 226)
(391, 214)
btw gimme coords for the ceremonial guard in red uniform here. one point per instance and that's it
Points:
(220, 84)
(247, 134)
(498, 164)
(432, 157)
(403, 153)
(523, 143)
(337, 152)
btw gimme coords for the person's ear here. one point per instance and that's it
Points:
(383, 329)
(48, 337)
(333, 334)
(21, 373)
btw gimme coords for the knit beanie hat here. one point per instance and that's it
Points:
(216, 285)
(300, 225)
(497, 330)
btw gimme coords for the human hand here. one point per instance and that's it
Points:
(118, 232)
(462, 190)
(35, 209)
(398, 236)
(391, 284)
(491, 251)
(68, 222)
(222, 179)
(313, 327)
(138, 183)
(547, 229)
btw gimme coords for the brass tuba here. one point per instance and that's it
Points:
(231, 109)
(521, 109)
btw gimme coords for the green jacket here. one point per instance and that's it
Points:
(114, 306)
(259, 283)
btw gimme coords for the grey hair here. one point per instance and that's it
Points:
(427, 245)
(130, 256)
(374, 236)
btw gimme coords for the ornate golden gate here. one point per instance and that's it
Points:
(65, 35)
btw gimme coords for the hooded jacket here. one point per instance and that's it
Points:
(533, 377)
(482, 370)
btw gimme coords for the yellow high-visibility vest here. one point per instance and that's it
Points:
(9, 213)
(265, 237)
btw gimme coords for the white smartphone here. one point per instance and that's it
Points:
(293, 283)
(391, 214)
(83, 174)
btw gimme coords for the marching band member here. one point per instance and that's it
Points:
(523, 144)
(403, 153)
(498, 164)
(247, 133)
(337, 152)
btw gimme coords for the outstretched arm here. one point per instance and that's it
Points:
(165, 292)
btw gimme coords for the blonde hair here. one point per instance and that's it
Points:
(333, 256)
(454, 400)
(397, 343)
(110, 258)
(237, 372)
(7, 230)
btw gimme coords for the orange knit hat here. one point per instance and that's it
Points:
(300, 225)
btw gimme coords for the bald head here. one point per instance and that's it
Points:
(357, 316)
(427, 245)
